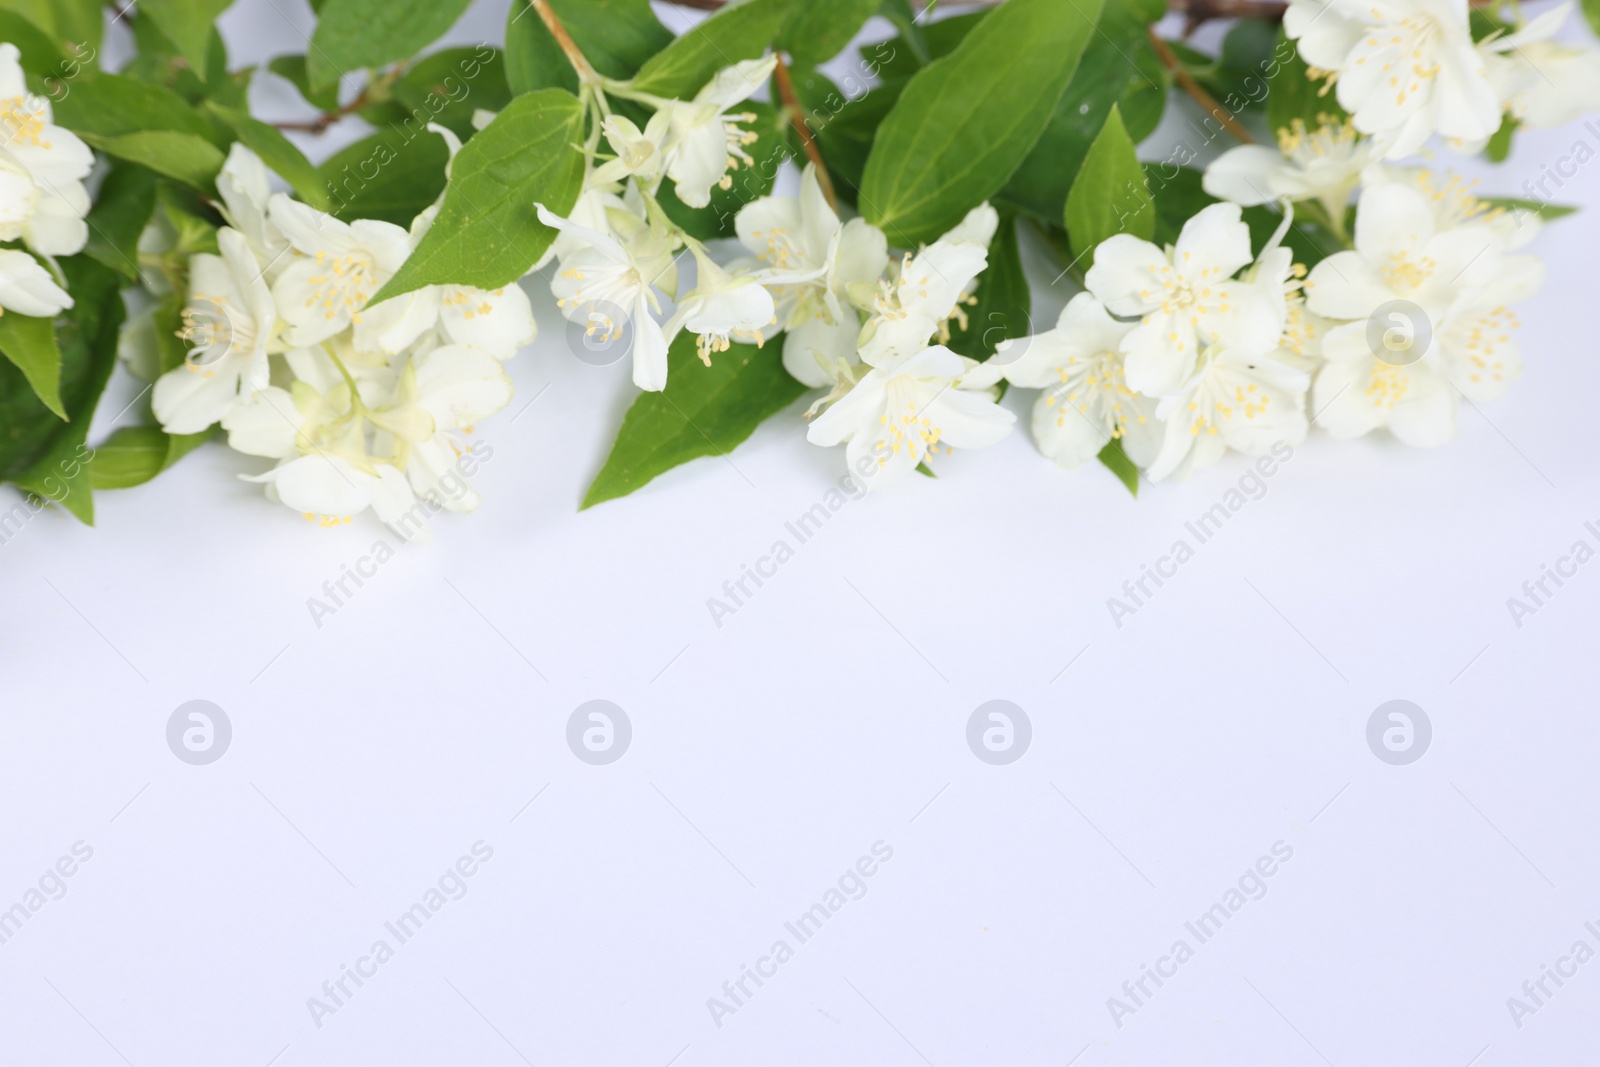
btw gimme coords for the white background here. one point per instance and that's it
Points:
(828, 714)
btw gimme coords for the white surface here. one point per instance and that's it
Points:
(826, 715)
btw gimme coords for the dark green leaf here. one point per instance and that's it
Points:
(187, 23)
(617, 37)
(967, 121)
(280, 156)
(817, 30)
(487, 233)
(352, 34)
(1118, 463)
(448, 86)
(843, 128)
(1004, 305)
(127, 200)
(133, 455)
(392, 175)
(704, 411)
(110, 105)
(41, 56)
(736, 32)
(31, 344)
(1109, 195)
(749, 183)
(1292, 95)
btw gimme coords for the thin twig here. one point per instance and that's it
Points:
(797, 119)
(569, 47)
(1192, 87)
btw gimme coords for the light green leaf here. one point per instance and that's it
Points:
(1004, 306)
(31, 344)
(817, 30)
(704, 411)
(352, 34)
(1499, 147)
(1118, 463)
(276, 151)
(617, 37)
(965, 123)
(111, 105)
(1545, 211)
(133, 455)
(1591, 11)
(187, 23)
(1109, 195)
(487, 233)
(192, 160)
(40, 54)
(737, 32)
(392, 175)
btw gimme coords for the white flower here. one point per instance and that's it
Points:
(1234, 400)
(340, 266)
(1543, 82)
(1085, 402)
(230, 322)
(721, 307)
(703, 142)
(1185, 296)
(639, 154)
(814, 260)
(1324, 165)
(27, 288)
(245, 188)
(607, 283)
(895, 416)
(42, 167)
(929, 291)
(1406, 69)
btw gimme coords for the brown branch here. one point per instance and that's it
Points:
(797, 119)
(569, 47)
(1192, 87)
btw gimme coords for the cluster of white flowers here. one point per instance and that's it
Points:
(1408, 69)
(360, 406)
(42, 198)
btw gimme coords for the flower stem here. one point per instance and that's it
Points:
(1193, 88)
(797, 119)
(569, 47)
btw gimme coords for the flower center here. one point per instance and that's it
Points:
(345, 287)
(22, 123)
(1404, 273)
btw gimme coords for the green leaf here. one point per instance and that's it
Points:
(1499, 147)
(111, 105)
(1118, 463)
(392, 175)
(1591, 11)
(187, 23)
(1109, 195)
(844, 129)
(126, 202)
(487, 233)
(1538, 207)
(704, 411)
(40, 55)
(1119, 68)
(1291, 94)
(817, 30)
(1179, 197)
(192, 160)
(38, 452)
(31, 344)
(1004, 305)
(737, 32)
(292, 69)
(617, 37)
(352, 34)
(276, 151)
(71, 27)
(967, 121)
(749, 183)
(448, 86)
(133, 455)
